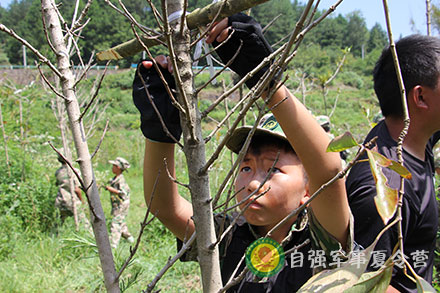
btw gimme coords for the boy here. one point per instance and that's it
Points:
(298, 148)
(65, 200)
(419, 58)
(120, 200)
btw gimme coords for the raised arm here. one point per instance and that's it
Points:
(171, 209)
(160, 191)
(307, 137)
(310, 142)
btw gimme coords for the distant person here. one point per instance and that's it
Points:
(419, 58)
(120, 201)
(324, 121)
(65, 197)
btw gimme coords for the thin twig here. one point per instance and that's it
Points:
(221, 71)
(85, 70)
(83, 14)
(171, 176)
(170, 262)
(81, 182)
(100, 140)
(153, 104)
(49, 84)
(156, 66)
(211, 24)
(40, 56)
(96, 92)
(144, 224)
(183, 17)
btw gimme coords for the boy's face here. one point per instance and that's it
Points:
(287, 185)
(116, 169)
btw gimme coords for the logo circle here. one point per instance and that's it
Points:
(264, 257)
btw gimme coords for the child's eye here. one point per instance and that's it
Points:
(245, 169)
(274, 170)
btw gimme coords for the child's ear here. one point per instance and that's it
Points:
(306, 195)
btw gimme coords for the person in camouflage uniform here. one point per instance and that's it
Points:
(285, 164)
(120, 201)
(65, 200)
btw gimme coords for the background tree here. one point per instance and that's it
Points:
(356, 33)
(377, 38)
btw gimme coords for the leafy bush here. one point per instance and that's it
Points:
(351, 78)
(27, 195)
(122, 80)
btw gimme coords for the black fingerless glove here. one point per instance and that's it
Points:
(254, 49)
(150, 124)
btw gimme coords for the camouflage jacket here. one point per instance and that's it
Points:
(119, 183)
(63, 183)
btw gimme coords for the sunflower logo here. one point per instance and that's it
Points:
(264, 257)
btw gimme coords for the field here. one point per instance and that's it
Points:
(39, 254)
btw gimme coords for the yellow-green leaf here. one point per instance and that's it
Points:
(390, 164)
(386, 198)
(423, 286)
(374, 282)
(343, 277)
(342, 142)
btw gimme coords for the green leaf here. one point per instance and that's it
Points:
(342, 142)
(386, 197)
(377, 281)
(390, 164)
(423, 286)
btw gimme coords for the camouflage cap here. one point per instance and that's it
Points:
(121, 163)
(323, 120)
(268, 127)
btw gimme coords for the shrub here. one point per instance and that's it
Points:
(27, 195)
(351, 78)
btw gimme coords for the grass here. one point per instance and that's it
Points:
(67, 261)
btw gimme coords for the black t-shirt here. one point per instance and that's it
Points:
(309, 249)
(419, 211)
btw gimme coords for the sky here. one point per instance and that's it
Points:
(401, 13)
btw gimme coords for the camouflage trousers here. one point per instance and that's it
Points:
(118, 225)
(65, 206)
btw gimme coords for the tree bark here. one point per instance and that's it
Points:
(194, 149)
(199, 17)
(73, 111)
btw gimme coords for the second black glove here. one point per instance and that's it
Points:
(254, 49)
(150, 123)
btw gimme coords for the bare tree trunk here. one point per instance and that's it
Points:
(67, 83)
(4, 140)
(428, 17)
(194, 148)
